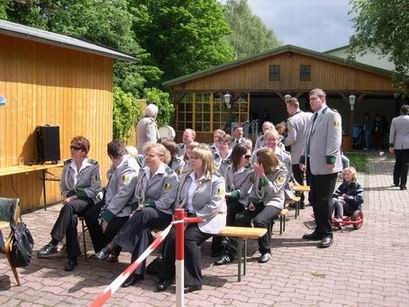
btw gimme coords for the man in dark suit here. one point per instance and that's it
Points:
(322, 158)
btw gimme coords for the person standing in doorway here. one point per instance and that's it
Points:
(399, 145)
(322, 158)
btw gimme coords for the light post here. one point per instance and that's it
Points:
(352, 99)
(287, 97)
(227, 100)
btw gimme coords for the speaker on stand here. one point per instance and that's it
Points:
(48, 143)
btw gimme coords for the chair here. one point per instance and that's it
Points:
(9, 213)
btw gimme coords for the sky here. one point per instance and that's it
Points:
(313, 24)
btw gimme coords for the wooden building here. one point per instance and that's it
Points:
(50, 79)
(258, 85)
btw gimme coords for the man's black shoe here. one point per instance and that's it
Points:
(192, 288)
(223, 260)
(103, 253)
(326, 242)
(113, 258)
(312, 237)
(131, 280)
(47, 251)
(70, 265)
(403, 188)
(162, 285)
(264, 258)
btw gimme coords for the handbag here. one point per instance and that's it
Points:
(21, 245)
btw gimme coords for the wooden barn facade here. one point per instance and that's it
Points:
(258, 86)
(50, 79)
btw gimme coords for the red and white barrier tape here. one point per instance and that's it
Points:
(114, 286)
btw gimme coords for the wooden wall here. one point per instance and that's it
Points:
(254, 76)
(50, 85)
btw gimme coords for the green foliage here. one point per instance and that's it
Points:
(182, 36)
(249, 34)
(383, 26)
(127, 110)
(162, 100)
(3, 7)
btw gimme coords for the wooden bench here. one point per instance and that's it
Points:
(299, 189)
(242, 234)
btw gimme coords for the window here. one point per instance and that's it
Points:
(305, 72)
(274, 72)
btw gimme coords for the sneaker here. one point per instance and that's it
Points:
(47, 251)
(264, 258)
(223, 260)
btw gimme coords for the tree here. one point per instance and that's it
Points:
(249, 34)
(162, 100)
(3, 7)
(183, 36)
(383, 26)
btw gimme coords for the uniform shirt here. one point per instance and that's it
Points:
(178, 165)
(399, 132)
(192, 189)
(84, 182)
(147, 131)
(238, 183)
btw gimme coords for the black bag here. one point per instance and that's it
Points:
(21, 245)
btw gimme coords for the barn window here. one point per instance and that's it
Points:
(305, 72)
(274, 72)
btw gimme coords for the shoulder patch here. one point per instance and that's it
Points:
(220, 191)
(167, 186)
(337, 124)
(280, 180)
(126, 179)
(68, 161)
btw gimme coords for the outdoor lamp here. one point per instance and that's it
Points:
(287, 97)
(352, 101)
(227, 100)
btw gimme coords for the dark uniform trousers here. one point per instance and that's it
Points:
(400, 170)
(66, 225)
(101, 239)
(262, 217)
(135, 235)
(193, 257)
(320, 197)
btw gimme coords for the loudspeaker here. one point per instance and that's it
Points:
(48, 143)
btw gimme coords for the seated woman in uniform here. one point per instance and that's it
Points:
(238, 183)
(188, 153)
(80, 184)
(175, 163)
(266, 197)
(154, 197)
(225, 150)
(200, 193)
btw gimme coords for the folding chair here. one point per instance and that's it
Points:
(9, 212)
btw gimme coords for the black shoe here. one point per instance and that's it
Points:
(192, 288)
(70, 265)
(47, 251)
(162, 285)
(216, 254)
(113, 258)
(223, 260)
(403, 188)
(264, 258)
(326, 242)
(103, 253)
(302, 206)
(131, 280)
(312, 237)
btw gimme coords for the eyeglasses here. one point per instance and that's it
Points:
(76, 148)
(247, 156)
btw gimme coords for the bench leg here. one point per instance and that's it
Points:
(84, 228)
(284, 217)
(240, 255)
(245, 257)
(281, 224)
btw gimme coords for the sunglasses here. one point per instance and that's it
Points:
(247, 156)
(72, 147)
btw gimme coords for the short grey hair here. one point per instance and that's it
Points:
(151, 110)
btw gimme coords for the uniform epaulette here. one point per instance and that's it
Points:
(93, 162)
(169, 171)
(68, 161)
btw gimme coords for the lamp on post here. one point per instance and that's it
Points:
(287, 97)
(352, 99)
(227, 100)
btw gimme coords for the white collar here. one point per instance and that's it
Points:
(161, 170)
(85, 163)
(322, 109)
(192, 175)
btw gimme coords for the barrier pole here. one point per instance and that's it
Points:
(180, 255)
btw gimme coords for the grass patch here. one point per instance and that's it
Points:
(360, 160)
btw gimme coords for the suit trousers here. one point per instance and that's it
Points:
(299, 177)
(101, 239)
(261, 217)
(135, 235)
(193, 257)
(320, 197)
(400, 170)
(66, 225)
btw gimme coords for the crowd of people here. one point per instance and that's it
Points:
(228, 182)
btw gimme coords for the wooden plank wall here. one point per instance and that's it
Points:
(254, 76)
(50, 85)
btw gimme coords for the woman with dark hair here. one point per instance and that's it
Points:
(237, 177)
(80, 184)
(175, 163)
(266, 197)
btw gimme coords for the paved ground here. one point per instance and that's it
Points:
(366, 267)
